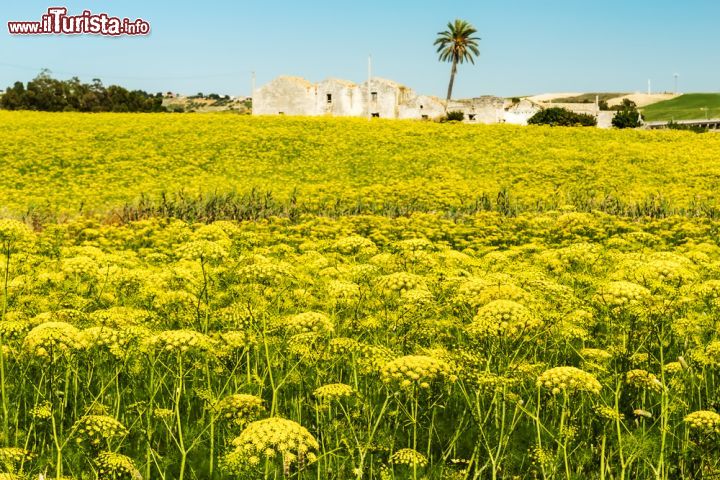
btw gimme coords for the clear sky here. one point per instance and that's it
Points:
(527, 46)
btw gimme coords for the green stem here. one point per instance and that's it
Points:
(212, 445)
(538, 431)
(58, 448)
(563, 435)
(181, 441)
(3, 392)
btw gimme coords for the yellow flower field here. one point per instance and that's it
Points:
(378, 300)
(67, 163)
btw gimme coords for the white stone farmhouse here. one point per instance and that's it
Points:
(388, 99)
(342, 98)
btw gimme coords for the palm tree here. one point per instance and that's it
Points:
(456, 45)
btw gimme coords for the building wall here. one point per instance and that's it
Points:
(421, 107)
(604, 118)
(384, 99)
(389, 99)
(285, 95)
(486, 109)
(345, 98)
(519, 113)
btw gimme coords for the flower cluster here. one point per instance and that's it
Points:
(664, 271)
(568, 380)
(503, 319)
(409, 457)
(115, 466)
(15, 456)
(230, 342)
(163, 413)
(711, 355)
(51, 339)
(333, 391)
(239, 408)
(608, 413)
(105, 338)
(41, 411)
(643, 379)
(13, 232)
(271, 438)
(342, 291)
(705, 421)
(416, 297)
(97, 428)
(13, 329)
(595, 355)
(354, 245)
(622, 294)
(673, 367)
(417, 370)
(204, 250)
(502, 291)
(180, 341)
(401, 281)
(309, 322)
(264, 272)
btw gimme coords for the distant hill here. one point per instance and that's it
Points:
(209, 103)
(587, 97)
(640, 99)
(690, 106)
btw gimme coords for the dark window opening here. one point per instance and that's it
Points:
(425, 117)
(373, 96)
(421, 107)
(375, 115)
(329, 98)
(471, 116)
(281, 113)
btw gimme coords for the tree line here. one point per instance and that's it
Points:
(48, 94)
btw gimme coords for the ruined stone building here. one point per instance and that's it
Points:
(388, 99)
(384, 99)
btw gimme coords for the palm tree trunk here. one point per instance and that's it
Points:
(453, 71)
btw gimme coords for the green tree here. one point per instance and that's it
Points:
(14, 97)
(47, 94)
(457, 45)
(627, 116)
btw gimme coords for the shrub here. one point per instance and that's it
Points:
(672, 125)
(628, 116)
(454, 116)
(562, 117)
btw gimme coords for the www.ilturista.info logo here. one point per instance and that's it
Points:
(57, 22)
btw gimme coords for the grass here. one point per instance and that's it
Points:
(685, 107)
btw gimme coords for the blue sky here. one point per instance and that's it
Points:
(527, 46)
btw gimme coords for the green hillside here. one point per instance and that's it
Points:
(690, 106)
